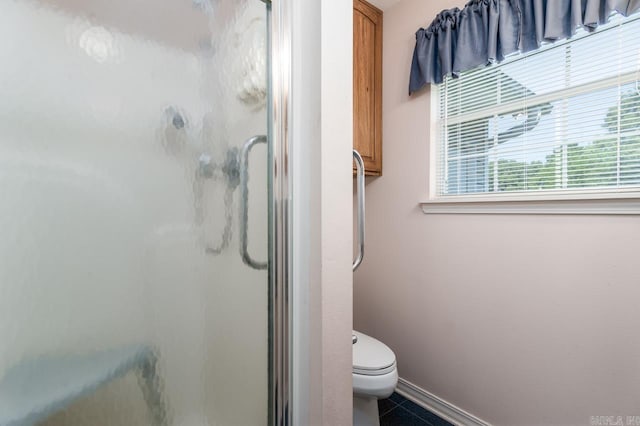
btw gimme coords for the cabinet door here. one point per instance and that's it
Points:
(367, 85)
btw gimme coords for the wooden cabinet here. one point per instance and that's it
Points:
(367, 85)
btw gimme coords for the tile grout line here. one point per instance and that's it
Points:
(404, 400)
(416, 416)
(402, 404)
(395, 405)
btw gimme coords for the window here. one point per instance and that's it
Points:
(562, 120)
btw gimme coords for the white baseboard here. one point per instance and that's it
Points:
(438, 406)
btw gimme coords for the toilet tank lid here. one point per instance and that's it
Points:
(371, 354)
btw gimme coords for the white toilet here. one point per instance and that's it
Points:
(375, 376)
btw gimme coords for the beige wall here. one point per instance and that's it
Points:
(335, 160)
(519, 320)
(322, 139)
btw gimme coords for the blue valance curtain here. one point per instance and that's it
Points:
(485, 31)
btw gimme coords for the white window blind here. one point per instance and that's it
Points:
(565, 118)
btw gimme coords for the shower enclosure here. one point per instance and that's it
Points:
(143, 213)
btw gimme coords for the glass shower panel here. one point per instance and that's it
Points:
(124, 299)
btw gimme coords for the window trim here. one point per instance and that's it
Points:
(606, 201)
(590, 202)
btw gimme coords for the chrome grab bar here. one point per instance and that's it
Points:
(360, 193)
(244, 202)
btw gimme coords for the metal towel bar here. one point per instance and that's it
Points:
(360, 192)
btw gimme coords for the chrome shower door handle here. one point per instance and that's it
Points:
(360, 193)
(244, 202)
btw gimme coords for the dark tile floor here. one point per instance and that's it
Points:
(399, 411)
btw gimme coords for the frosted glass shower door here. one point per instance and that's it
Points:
(124, 298)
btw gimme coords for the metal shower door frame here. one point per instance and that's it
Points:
(279, 28)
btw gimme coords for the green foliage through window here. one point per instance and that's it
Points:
(597, 164)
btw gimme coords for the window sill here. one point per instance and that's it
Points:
(596, 204)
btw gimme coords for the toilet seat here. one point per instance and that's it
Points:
(375, 372)
(379, 372)
(371, 357)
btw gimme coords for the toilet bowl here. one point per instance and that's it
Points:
(375, 376)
